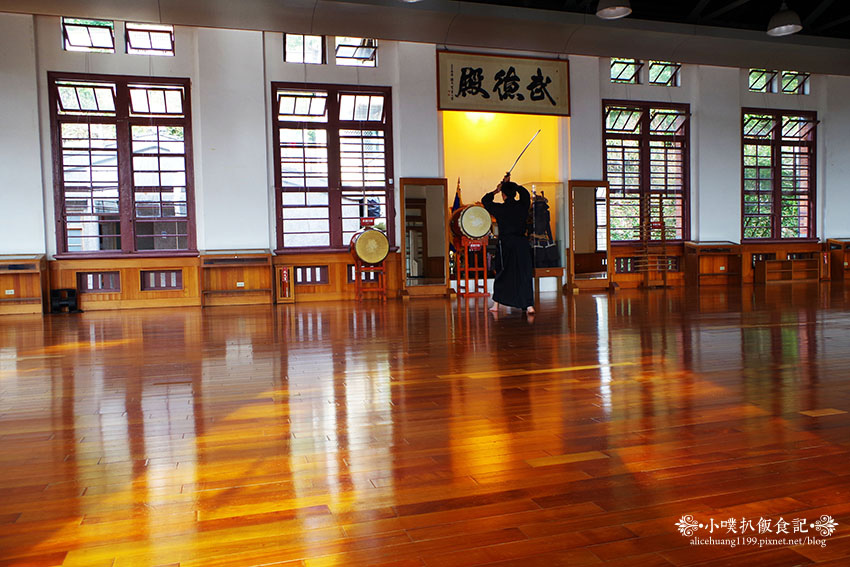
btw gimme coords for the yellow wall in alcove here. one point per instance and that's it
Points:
(480, 147)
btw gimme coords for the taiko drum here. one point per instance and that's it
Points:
(370, 245)
(472, 221)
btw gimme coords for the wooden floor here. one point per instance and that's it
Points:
(423, 434)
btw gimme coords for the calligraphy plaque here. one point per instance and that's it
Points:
(492, 83)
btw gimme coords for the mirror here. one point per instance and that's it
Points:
(425, 242)
(590, 235)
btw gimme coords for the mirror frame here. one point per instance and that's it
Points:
(573, 184)
(424, 289)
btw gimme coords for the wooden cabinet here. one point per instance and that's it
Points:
(712, 263)
(839, 258)
(23, 283)
(787, 271)
(236, 277)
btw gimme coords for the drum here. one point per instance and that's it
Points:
(370, 245)
(472, 221)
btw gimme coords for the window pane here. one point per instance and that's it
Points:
(150, 39)
(356, 51)
(88, 35)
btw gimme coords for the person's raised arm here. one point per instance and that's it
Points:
(524, 196)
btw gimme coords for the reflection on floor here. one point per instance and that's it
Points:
(427, 432)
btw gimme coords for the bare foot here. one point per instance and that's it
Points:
(495, 308)
(530, 310)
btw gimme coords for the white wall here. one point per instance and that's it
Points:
(585, 139)
(231, 150)
(21, 202)
(716, 155)
(834, 158)
(231, 72)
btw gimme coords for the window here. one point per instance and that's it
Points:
(152, 280)
(778, 174)
(311, 275)
(664, 73)
(333, 163)
(88, 35)
(304, 48)
(149, 39)
(357, 51)
(762, 81)
(795, 83)
(625, 70)
(646, 165)
(99, 282)
(122, 163)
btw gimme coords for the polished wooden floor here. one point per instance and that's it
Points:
(427, 433)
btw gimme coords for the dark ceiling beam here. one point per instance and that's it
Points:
(833, 24)
(812, 18)
(693, 17)
(727, 8)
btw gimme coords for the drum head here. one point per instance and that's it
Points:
(475, 221)
(371, 246)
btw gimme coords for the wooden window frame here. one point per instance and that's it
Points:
(334, 188)
(643, 135)
(776, 143)
(124, 120)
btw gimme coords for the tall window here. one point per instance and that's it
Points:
(778, 174)
(122, 163)
(333, 163)
(646, 165)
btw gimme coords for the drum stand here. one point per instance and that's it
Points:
(471, 267)
(369, 278)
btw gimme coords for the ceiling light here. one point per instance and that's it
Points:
(784, 22)
(613, 9)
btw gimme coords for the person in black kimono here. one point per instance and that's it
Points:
(513, 284)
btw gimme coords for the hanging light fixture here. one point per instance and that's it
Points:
(784, 22)
(613, 9)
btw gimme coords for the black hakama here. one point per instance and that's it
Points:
(513, 284)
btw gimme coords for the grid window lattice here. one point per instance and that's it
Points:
(333, 166)
(122, 173)
(646, 167)
(778, 175)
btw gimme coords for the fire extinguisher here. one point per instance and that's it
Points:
(284, 281)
